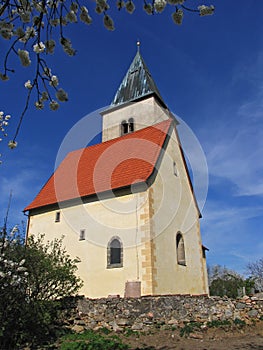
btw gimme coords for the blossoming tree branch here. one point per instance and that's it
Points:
(34, 28)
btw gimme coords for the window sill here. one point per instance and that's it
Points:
(114, 266)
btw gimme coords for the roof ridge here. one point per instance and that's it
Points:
(119, 137)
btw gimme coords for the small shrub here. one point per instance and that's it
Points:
(190, 328)
(239, 322)
(218, 323)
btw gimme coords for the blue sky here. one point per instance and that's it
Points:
(209, 72)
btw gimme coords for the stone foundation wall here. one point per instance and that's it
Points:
(147, 312)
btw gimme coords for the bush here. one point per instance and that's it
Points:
(34, 279)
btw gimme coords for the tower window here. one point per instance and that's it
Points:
(124, 127)
(115, 253)
(131, 125)
(57, 217)
(180, 250)
(127, 127)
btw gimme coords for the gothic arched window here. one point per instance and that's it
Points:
(180, 250)
(114, 253)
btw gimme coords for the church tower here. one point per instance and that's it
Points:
(136, 104)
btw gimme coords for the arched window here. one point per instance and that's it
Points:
(131, 125)
(180, 250)
(124, 127)
(114, 253)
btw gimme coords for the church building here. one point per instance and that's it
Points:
(126, 206)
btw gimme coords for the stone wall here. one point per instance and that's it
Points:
(147, 312)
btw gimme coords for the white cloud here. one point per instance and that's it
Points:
(235, 149)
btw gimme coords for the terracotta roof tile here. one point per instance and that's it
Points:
(106, 166)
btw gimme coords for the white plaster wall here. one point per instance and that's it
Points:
(175, 210)
(145, 113)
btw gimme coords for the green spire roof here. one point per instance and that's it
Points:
(137, 83)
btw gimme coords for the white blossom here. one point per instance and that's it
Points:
(39, 47)
(159, 5)
(74, 7)
(44, 96)
(21, 269)
(47, 71)
(61, 95)
(20, 32)
(84, 15)
(25, 16)
(108, 22)
(39, 7)
(130, 7)
(29, 33)
(63, 21)
(120, 4)
(53, 105)
(12, 144)
(22, 262)
(177, 16)
(6, 33)
(4, 77)
(148, 9)
(71, 17)
(102, 5)
(24, 57)
(206, 10)
(54, 22)
(53, 81)
(50, 46)
(66, 44)
(98, 9)
(39, 105)
(28, 85)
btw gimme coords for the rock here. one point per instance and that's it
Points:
(116, 328)
(252, 313)
(123, 322)
(77, 328)
(228, 313)
(173, 321)
(240, 305)
(137, 326)
(196, 336)
(80, 322)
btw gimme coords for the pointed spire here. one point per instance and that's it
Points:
(137, 82)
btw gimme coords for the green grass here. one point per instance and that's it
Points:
(90, 340)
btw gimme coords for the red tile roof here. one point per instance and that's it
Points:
(106, 166)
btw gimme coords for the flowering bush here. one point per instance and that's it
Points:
(35, 27)
(33, 278)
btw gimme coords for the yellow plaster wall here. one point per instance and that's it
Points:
(101, 220)
(145, 113)
(175, 210)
